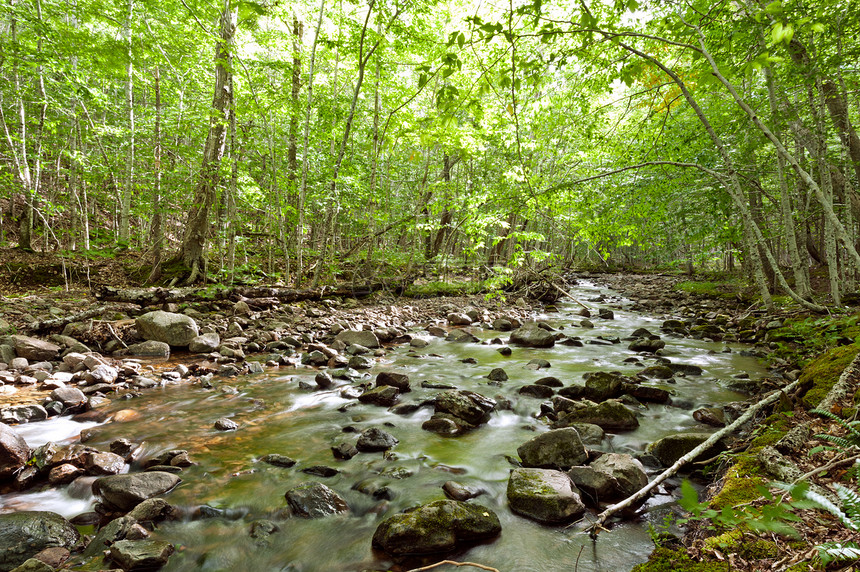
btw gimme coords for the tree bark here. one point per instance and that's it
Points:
(192, 253)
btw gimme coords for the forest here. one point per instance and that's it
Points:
(615, 245)
(299, 139)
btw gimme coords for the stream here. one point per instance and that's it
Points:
(276, 416)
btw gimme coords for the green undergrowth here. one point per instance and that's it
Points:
(667, 560)
(801, 339)
(433, 289)
(822, 373)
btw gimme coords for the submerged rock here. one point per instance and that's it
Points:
(437, 527)
(469, 406)
(544, 495)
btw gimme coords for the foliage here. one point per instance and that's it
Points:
(848, 515)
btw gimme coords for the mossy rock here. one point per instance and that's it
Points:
(741, 484)
(823, 372)
(666, 560)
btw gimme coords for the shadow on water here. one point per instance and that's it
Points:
(276, 416)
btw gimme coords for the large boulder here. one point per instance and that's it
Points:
(544, 495)
(627, 472)
(469, 406)
(364, 338)
(610, 415)
(34, 349)
(672, 447)
(437, 527)
(24, 534)
(555, 449)
(124, 492)
(603, 385)
(532, 336)
(315, 500)
(14, 451)
(173, 329)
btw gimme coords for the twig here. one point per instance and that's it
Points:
(116, 337)
(642, 493)
(452, 563)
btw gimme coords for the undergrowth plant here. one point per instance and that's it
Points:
(848, 514)
(850, 442)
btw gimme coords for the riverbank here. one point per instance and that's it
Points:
(313, 327)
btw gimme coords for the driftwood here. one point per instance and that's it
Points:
(259, 296)
(57, 323)
(642, 493)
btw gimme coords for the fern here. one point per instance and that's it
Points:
(838, 551)
(851, 505)
(852, 439)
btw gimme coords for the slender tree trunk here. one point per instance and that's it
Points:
(156, 232)
(127, 188)
(300, 232)
(197, 224)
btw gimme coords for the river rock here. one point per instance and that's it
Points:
(385, 396)
(115, 530)
(555, 449)
(100, 463)
(460, 337)
(544, 495)
(603, 385)
(315, 500)
(226, 424)
(459, 319)
(460, 492)
(672, 447)
(713, 416)
(375, 439)
(153, 510)
(628, 473)
(149, 348)
(23, 414)
(398, 380)
(141, 554)
(532, 336)
(124, 492)
(469, 406)
(535, 390)
(657, 372)
(610, 415)
(173, 329)
(646, 345)
(594, 485)
(24, 534)
(204, 343)
(438, 527)
(364, 338)
(14, 451)
(33, 349)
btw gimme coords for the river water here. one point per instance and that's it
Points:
(276, 416)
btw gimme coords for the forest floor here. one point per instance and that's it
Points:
(742, 533)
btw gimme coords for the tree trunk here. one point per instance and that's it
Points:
(192, 253)
(127, 188)
(156, 232)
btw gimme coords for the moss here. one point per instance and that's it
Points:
(823, 372)
(666, 560)
(740, 485)
(758, 549)
(727, 540)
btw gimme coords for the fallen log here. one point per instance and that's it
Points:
(253, 295)
(57, 323)
(642, 493)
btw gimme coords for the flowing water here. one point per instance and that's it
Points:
(276, 416)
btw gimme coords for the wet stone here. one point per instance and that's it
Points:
(225, 424)
(315, 500)
(278, 460)
(375, 439)
(344, 451)
(321, 471)
(141, 554)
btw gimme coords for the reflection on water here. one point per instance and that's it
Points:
(276, 416)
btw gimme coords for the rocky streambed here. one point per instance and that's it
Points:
(336, 437)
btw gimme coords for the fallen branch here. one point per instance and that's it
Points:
(453, 563)
(566, 293)
(642, 493)
(60, 322)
